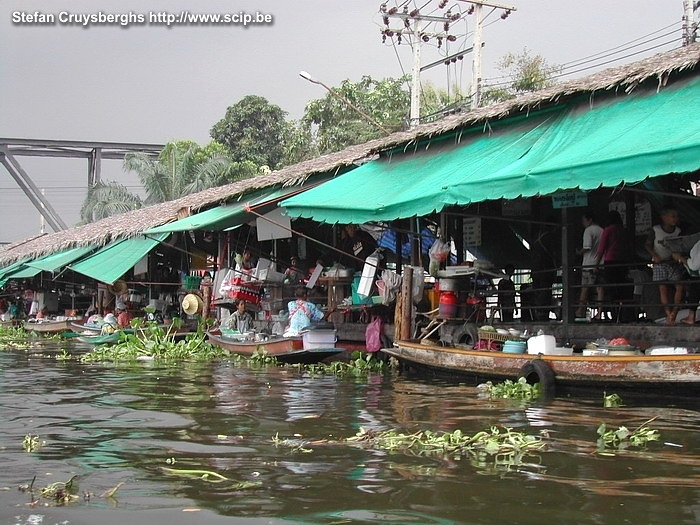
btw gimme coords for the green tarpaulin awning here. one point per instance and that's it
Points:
(7, 270)
(111, 262)
(584, 144)
(224, 217)
(56, 261)
(23, 273)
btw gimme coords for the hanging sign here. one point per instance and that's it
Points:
(472, 231)
(516, 208)
(569, 199)
(277, 227)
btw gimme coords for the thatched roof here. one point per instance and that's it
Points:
(656, 69)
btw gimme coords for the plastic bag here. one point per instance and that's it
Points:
(391, 286)
(226, 283)
(373, 335)
(438, 253)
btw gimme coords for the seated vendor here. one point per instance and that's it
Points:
(110, 324)
(294, 274)
(123, 315)
(302, 312)
(245, 266)
(240, 320)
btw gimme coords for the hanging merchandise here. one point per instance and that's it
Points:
(391, 285)
(373, 335)
(438, 253)
(246, 290)
(364, 289)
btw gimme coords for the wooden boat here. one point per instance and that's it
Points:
(105, 339)
(618, 371)
(285, 349)
(81, 327)
(47, 326)
(13, 323)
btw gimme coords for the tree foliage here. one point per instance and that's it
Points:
(182, 168)
(335, 124)
(105, 199)
(522, 73)
(332, 123)
(253, 130)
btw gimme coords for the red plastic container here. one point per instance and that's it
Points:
(448, 304)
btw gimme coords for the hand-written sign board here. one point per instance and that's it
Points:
(569, 199)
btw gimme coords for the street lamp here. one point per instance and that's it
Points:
(307, 76)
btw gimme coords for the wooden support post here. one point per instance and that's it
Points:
(406, 303)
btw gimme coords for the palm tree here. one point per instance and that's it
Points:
(106, 199)
(181, 168)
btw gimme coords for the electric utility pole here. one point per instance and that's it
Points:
(477, 8)
(689, 25)
(416, 29)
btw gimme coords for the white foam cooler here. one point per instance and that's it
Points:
(319, 338)
(541, 344)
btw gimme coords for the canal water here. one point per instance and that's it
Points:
(272, 441)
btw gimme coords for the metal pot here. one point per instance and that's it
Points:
(449, 285)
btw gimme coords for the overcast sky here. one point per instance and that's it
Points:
(152, 83)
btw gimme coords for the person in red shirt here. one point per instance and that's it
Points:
(123, 316)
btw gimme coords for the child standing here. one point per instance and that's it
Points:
(666, 270)
(506, 294)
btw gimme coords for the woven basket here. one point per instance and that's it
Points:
(495, 336)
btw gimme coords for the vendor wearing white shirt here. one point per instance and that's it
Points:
(692, 263)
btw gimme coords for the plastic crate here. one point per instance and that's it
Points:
(192, 282)
(358, 299)
(319, 339)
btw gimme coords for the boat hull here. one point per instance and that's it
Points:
(620, 371)
(79, 327)
(94, 340)
(285, 349)
(48, 327)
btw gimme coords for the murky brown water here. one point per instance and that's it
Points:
(122, 424)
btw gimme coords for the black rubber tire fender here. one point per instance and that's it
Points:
(537, 371)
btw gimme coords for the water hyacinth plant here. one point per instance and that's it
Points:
(519, 389)
(622, 437)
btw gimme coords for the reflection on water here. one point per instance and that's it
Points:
(128, 424)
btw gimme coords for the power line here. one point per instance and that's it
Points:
(607, 52)
(497, 84)
(621, 45)
(619, 58)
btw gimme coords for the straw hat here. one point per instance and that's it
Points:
(192, 304)
(118, 288)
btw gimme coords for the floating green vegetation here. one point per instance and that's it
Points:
(519, 389)
(611, 401)
(211, 477)
(498, 447)
(32, 443)
(295, 445)
(13, 338)
(507, 445)
(152, 341)
(260, 357)
(360, 364)
(65, 355)
(622, 437)
(62, 491)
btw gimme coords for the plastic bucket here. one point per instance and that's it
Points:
(448, 304)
